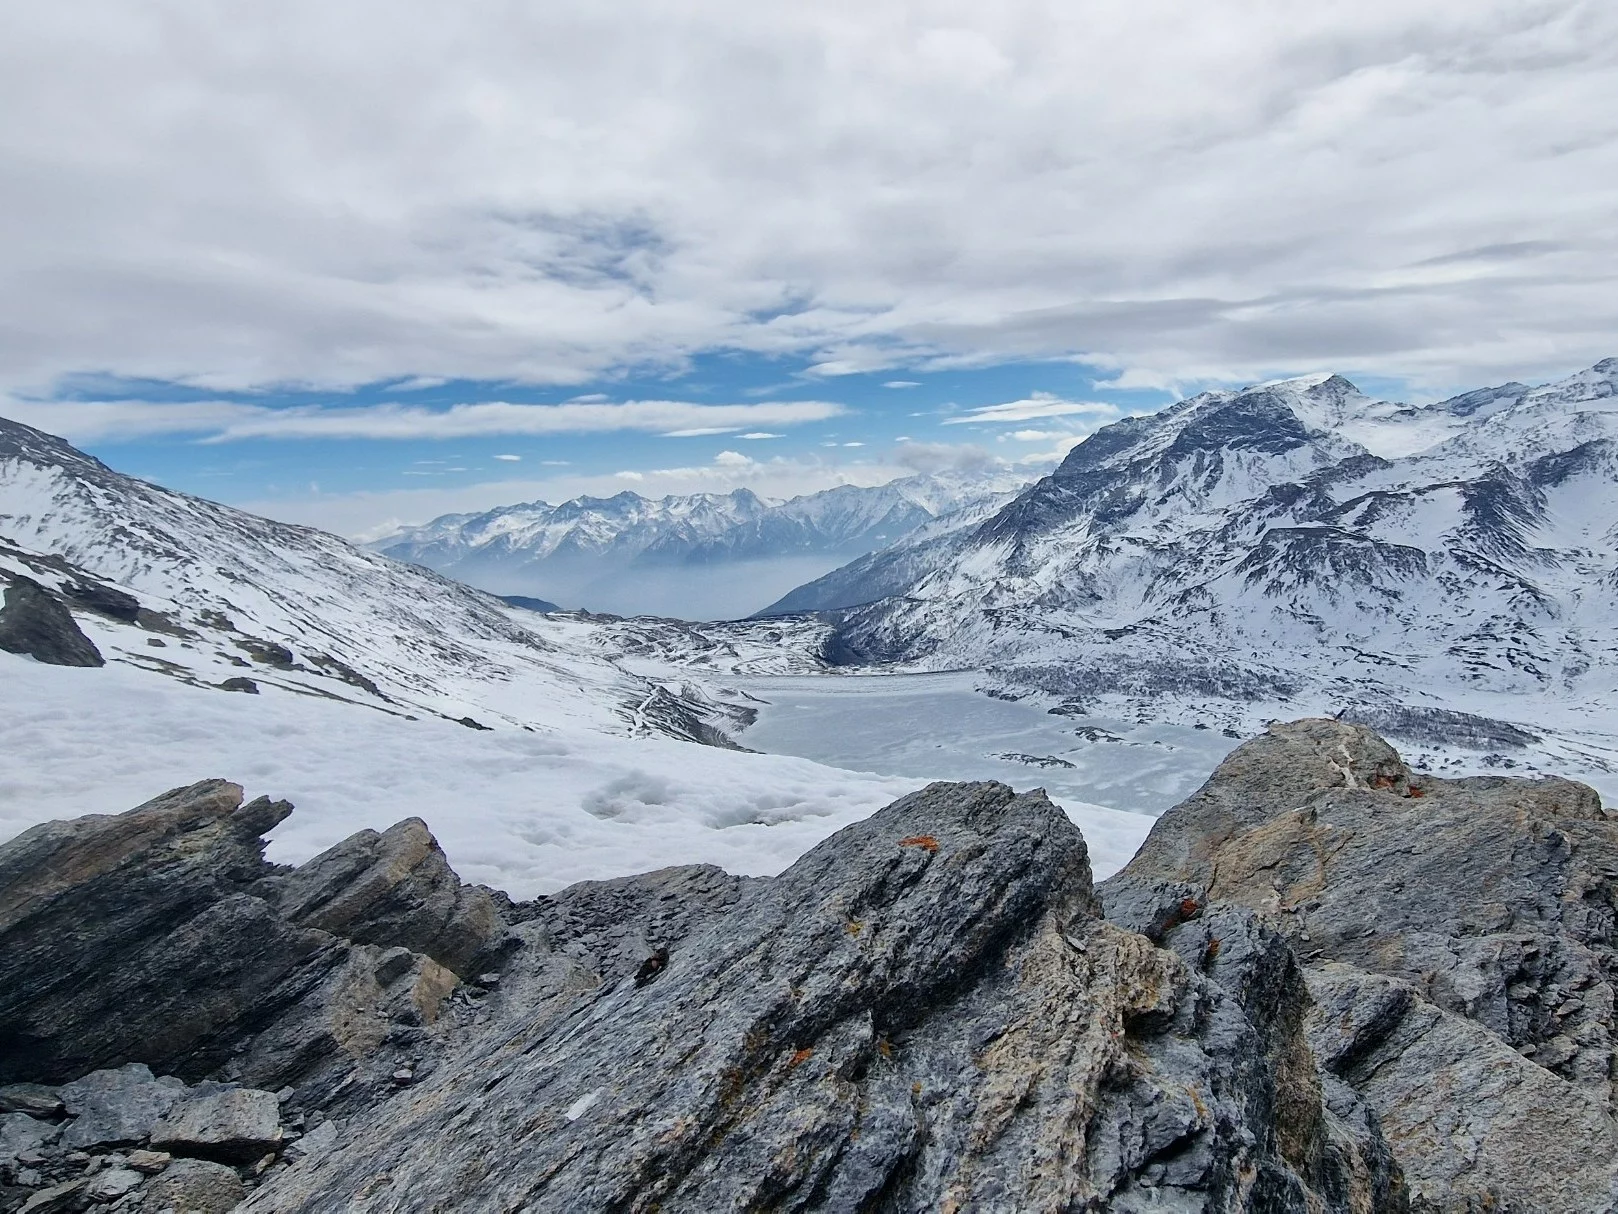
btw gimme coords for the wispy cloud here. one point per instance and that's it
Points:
(510, 459)
(1038, 405)
(230, 421)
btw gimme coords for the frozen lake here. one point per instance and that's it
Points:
(1112, 777)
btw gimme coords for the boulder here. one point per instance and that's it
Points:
(112, 1183)
(194, 1186)
(116, 1107)
(237, 1126)
(108, 600)
(21, 1134)
(35, 623)
(68, 1197)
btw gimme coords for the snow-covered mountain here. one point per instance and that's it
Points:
(545, 748)
(1290, 546)
(699, 556)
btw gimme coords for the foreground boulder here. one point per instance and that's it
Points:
(35, 623)
(1460, 945)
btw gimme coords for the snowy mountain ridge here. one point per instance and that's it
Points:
(580, 552)
(1293, 546)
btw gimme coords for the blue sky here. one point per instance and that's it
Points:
(242, 247)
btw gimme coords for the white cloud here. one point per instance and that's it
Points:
(228, 421)
(853, 444)
(341, 194)
(700, 432)
(1038, 405)
(732, 459)
(510, 459)
(901, 383)
(755, 435)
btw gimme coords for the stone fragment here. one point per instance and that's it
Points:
(148, 1162)
(235, 1126)
(34, 622)
(68, 1197)
(239, 683)
(113, 1183)
(316, 1142)
(116, 1107)
(35, 1099)
(194, 1186)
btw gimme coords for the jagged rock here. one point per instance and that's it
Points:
(1491, 905)
(925, 1012)
(235, 1126)
(317, 1141)
(149, 1163)
(195, 1186)
(238, 683)
(34, 1099)
(169, 949)
(395, 887)
(117, 1107)
(34, 622)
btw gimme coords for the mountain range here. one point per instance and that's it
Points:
(699, 556)
(1296, 544)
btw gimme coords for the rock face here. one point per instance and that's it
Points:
(1460, 942)
(925, 1012)
(1326, 984)
(34, 622)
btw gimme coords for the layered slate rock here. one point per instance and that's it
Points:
(925, 1012)
(1460, 942)
(395, 887)
(156, 936)
(35, 623)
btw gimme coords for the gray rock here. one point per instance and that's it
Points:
(392, 888)
(1471, 920)
(239, 683)
(925, 1012)
(195, 1186)
(117, 1107)
(34, 1099)
(149, 1163)
(237, 1126)
(35, 623)
(69, 1197)
(317, 1141)
(21, 1134)
(113, 1183)
(169, 952)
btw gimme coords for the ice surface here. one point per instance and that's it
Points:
(939, 727)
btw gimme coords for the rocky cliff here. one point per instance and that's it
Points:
(1327, 983)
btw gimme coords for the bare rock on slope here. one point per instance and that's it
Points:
(925, 1012)
(1459, 932)
(34, 622)
(395, 887)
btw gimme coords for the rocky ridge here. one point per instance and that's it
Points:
(1327, 983)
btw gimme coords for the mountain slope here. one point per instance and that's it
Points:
(630, 554)
(1295, 544)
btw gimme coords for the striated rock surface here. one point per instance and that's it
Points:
(1327, 983)
(34, 622)
(1460, 937)
(926, 1012)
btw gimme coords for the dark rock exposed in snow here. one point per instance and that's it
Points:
(34, 622)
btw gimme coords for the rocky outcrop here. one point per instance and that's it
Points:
(1460, 942)
(1326, 984)
(35, 623)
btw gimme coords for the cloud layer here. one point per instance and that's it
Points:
(341, 194)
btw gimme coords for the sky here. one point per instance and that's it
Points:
(353, 263)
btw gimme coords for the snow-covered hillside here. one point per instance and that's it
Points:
(543, 748)
(700, 556)
(1294, 547)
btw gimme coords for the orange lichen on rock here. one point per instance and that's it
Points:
(925, 842)
(799, 1058)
